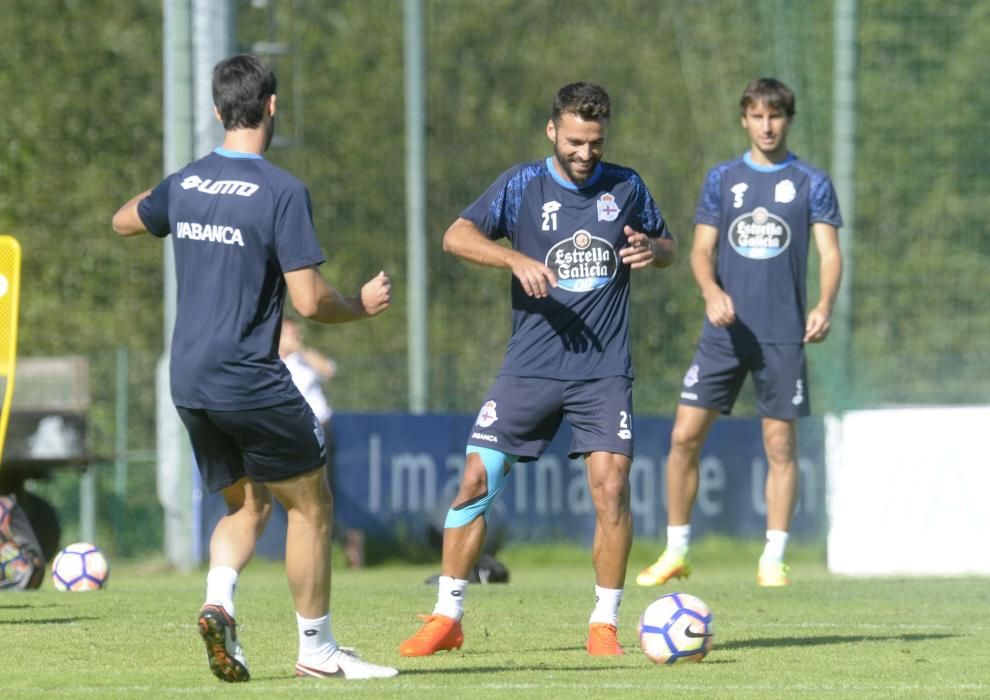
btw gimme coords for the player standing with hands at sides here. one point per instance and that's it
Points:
(577, 228)
(243, 238)
(749, 258)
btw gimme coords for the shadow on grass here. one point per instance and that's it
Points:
(824, 640)
(49, 620)
(453, 670)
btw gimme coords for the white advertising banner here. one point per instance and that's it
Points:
(909, 491)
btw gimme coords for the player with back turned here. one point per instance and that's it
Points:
(756, 218)
(243, 239)
(577, 228)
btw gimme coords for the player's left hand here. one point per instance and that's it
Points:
(639, 253)
(817, 326)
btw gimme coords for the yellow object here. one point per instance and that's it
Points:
(10, 288)
(668, 566)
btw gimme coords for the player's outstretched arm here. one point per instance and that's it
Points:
(818, 322)
(316, 300)
(644, 251)
(126, 221)
(466, 241)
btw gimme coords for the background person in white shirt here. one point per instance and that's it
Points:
(310, 368)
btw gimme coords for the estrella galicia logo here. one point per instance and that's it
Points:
(759, 234)
(582, 262)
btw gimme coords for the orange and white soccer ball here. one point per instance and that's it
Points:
(676, 627)
(80, 567)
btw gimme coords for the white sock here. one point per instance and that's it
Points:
(606, 606)
(450, 597)
(773, 552)
(316, 641)
(678, 538)
(221, 581)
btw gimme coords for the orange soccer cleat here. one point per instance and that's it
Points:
(603, 640)
(438, 633)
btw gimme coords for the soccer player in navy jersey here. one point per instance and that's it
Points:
(755, 220)
(243, 238)
(576, 228)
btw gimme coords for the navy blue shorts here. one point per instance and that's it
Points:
(521, 415)
(266, 444)
(780, 377)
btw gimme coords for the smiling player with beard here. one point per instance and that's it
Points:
(576, 226)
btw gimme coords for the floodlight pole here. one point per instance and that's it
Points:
(418, 315)
(844, 179)
(197, 34)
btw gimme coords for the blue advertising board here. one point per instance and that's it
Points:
(396, 475)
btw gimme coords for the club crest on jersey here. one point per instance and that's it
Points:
(759, 234)
(784, 192)
(582, 262)
(487, 415)
(608, 210)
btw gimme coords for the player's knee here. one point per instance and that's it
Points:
(781, 451)
(685, 440)
(474, 481)
(611, 491)
(485, 471)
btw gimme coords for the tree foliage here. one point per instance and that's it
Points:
(83, 127)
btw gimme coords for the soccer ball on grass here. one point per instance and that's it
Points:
(80, 567)
(676, 627)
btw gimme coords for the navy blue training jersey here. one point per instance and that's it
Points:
(764, 216)
(238, 224)
(581, 330)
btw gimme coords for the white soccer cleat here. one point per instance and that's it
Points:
(345, 663)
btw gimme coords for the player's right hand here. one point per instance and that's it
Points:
(376, 294)
(535, 277)
(719, 308)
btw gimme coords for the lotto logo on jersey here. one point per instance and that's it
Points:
(582, 262)
(238, 187)
(759, 235)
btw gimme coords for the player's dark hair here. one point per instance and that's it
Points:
(241, 88)
(772, 92)
(586, 100)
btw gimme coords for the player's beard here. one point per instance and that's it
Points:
(567, 167)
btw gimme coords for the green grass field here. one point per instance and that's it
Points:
(823, 637)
